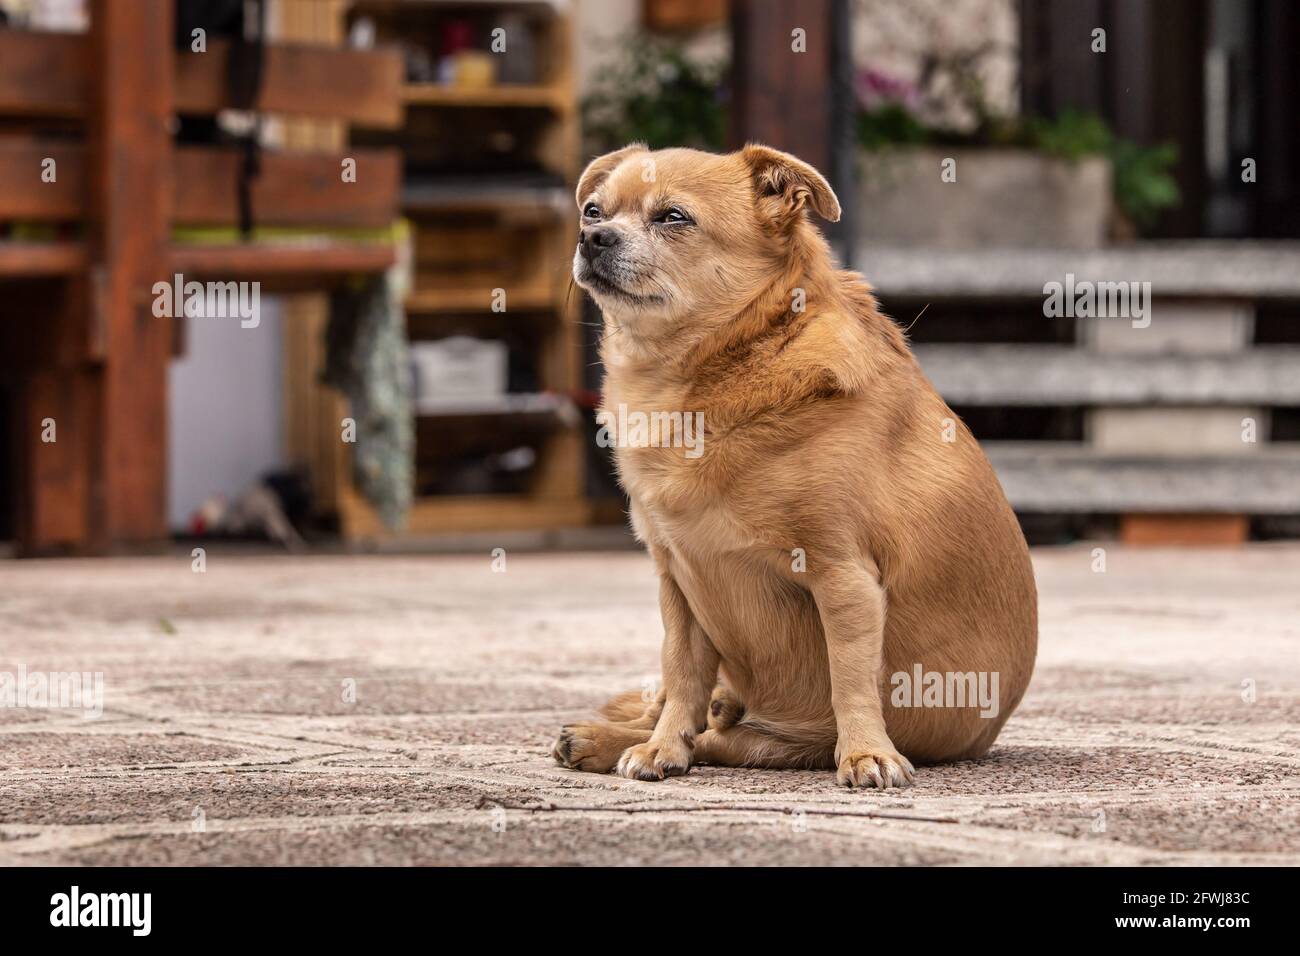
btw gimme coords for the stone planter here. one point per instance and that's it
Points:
(1001, 197)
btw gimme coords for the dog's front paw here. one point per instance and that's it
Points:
(881, 768)
(652, 761)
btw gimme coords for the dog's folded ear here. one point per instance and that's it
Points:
(598, 169)
(784, 184)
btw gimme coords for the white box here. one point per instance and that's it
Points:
(459, 367)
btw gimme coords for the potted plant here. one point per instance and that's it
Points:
(652, 91)
(1002, 180)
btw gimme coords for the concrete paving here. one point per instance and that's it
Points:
(400, 710)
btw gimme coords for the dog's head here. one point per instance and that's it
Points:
(677, 237)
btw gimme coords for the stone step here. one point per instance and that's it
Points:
(1188, 268)
(1180, 326)
(1162, 430)
(1073, 478)
(1065, 375)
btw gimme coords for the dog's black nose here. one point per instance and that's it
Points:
(595, 240)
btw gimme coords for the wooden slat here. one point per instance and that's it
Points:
(25, 196)
(502, 96)
(25, 260)
(460, 513)
(45, 74)
(291, 189)
(260, 261)
(435, 301)
(1184, 530)
(42, 74)
(355, 86)
(543, 202)
(669, 15)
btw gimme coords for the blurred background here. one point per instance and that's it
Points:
(382, 190)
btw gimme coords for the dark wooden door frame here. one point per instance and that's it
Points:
(1150, 86)
(799, 102)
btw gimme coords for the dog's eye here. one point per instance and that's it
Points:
(591, 211)
(672, 217)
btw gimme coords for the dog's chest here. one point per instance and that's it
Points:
(668, 463)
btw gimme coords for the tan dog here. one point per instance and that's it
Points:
(837, 536)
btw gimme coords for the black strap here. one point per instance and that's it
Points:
(244, 76)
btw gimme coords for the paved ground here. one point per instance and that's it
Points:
(226, 737)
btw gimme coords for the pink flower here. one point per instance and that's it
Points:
(875, 89)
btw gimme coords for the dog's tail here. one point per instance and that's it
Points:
(634, 707)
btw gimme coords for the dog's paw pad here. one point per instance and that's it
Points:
(882, 769)
(587, 746)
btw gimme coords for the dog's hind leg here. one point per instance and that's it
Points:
(743, 745)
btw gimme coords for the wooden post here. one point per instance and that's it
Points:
(793, 90)
(781, 97)
(1148, 85)
(129, 140)
(55, 419)
(57, 423)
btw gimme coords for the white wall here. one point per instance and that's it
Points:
(225, 417)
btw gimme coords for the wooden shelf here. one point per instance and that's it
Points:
(543, 7)
(444, 197)
(432, 301)
(505, 222)
(266, 260)
(21, 260)
(48, 74)
(487, 97)
(461, 513)
(292, 189)
(542, 406)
